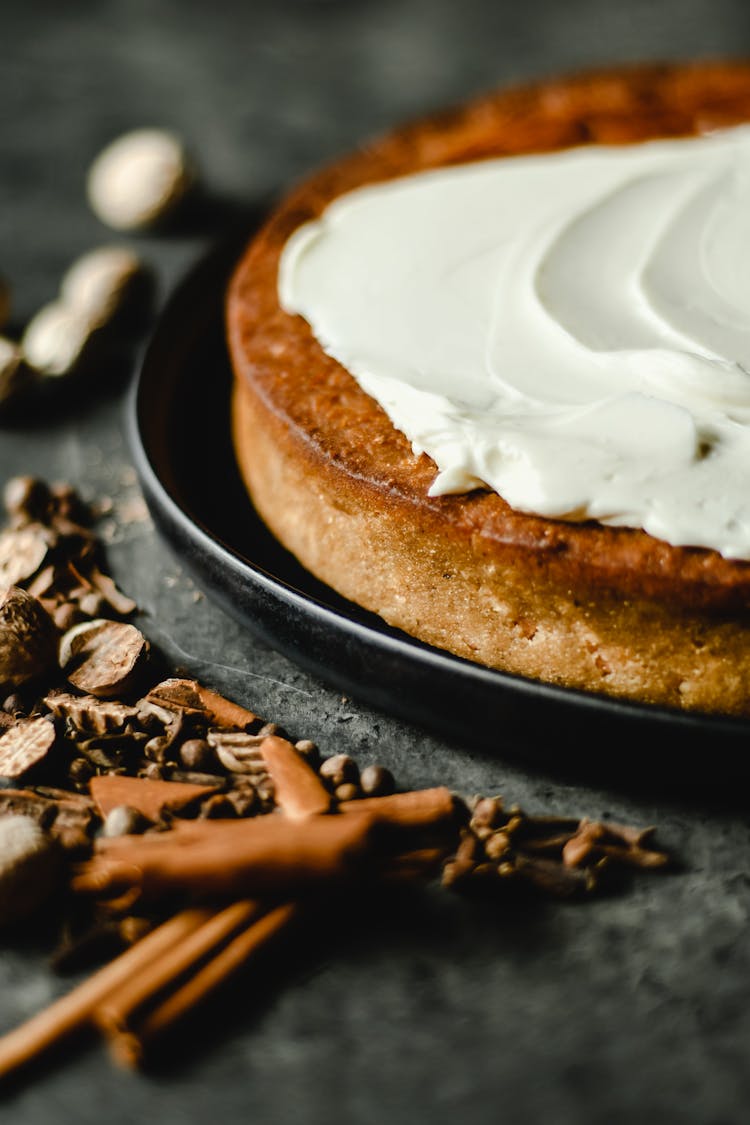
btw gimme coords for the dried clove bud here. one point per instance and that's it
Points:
(28, 638)
(103, 657)
(139, 179)
(29, 867)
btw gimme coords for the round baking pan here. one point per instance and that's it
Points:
(179, 430)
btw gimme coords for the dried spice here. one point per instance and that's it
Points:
(28, 638)
(24, 745)
(103, 658)
(183, 782)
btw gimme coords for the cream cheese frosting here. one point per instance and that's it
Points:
(570, 329)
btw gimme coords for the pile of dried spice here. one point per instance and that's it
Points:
(185, 832)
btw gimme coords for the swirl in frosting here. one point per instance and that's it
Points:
(570, 329)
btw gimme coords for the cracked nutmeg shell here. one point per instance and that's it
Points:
(28, 638)
(102, 657)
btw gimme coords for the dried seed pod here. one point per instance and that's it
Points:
(376, 781)
(61, 341)
(338, 770)
(24, 745)
(108, 283)
(103, 657)
(29, 867)
(28, 638)
(15, 374)
(139, 179)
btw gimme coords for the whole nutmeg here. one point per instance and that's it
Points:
(15, 374)
(108, 283)
(61, 341)
(138, 179)
(29, 867)
(28, 638)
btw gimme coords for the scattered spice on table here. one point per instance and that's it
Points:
(188, 833)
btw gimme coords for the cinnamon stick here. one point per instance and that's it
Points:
(121, 1006)
(420, 808)
(74, 1010)
(298, 790)
(269, 855)
(151, 797)
(128, 1044)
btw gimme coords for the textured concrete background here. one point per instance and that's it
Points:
(628, 1009)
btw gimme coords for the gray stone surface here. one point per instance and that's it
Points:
(628, 1009)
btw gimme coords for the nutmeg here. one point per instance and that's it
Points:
(61, 341)
(28, 638)
(138, 179)
(108, 283)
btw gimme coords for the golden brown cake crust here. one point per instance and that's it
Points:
(311, 442)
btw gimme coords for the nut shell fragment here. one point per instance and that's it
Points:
(103, 657)
(24, 745)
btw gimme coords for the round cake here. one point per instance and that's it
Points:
(570, 601)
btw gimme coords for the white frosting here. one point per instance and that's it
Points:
(569, 329)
